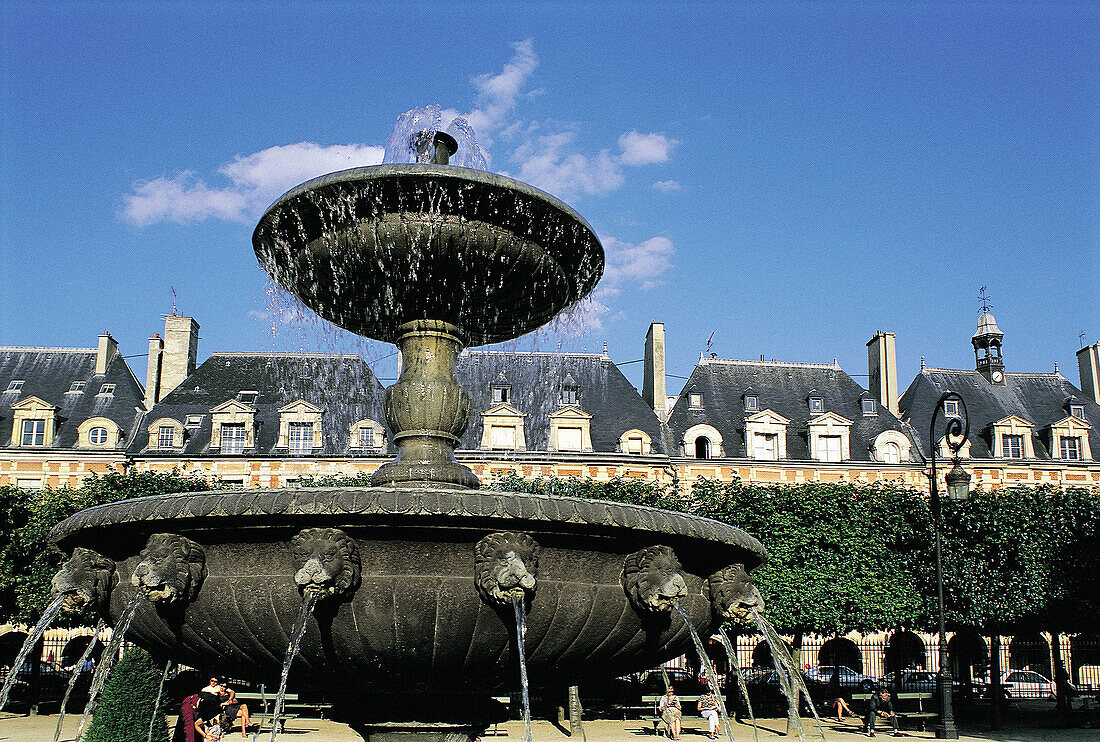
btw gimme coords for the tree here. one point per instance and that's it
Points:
(28, 559)
(129, 700)
(618, 489)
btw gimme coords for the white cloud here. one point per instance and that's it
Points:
(667, 185)
(546, 162)
(255, 181)
(640, 265)
(645, 149)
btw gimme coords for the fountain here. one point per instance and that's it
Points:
(418, 580)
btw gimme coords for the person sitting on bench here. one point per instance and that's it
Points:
(880, 706)
(669, 709)
(708, 709)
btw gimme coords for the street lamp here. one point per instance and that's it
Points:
(958, 488)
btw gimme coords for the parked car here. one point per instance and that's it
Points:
(1026, 684)
(911, 681)
(765, 692)
(848, 678)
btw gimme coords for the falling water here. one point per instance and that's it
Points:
(790, 679)
(107, 659)
(32, 639)
(156, 703)
(521, 637)
(309, 602)
(708, 668)
(73, 678)
(735, 670)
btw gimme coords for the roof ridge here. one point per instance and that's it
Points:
(533, 353)
(788, 364)
(1048, 374)
(281, 354)
(36, 349)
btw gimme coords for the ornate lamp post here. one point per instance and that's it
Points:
(958, 488)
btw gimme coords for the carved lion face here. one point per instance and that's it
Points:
(327, 560)
(506, 566)
(172, 568)
(85, 580)
(651, 579)
(732, 592)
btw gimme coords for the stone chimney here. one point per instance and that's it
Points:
(179, 354)
(105, 353)
(152, 373)
(1088, 362)
(882, 370)
(653, 374)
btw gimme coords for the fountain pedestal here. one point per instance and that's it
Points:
(427, 409)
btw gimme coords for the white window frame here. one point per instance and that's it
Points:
(500, 394)
(366, 437)
(951, 408)
(570, 395)
(695, 400)
(106, 389)
(1077, 410)
(234, 444)
(570, 438)
(765, 446)
(15, 385)
(166, 437)
(77, 386)
(830, 449)
(248, 396)
(1012, 445)
(752, 403)
(98, 435)
(1066, 442)
(33, 429)
(502, 437)
(867, 405)
(817, 405)
(299, 438)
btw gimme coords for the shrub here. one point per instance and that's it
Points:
(126, 705)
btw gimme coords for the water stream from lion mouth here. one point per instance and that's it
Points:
(48, 617)
(790, 679)
(521, 637)
(75, 676)
(297, 631)
(708, 669)
(107, 660)
(735, 670)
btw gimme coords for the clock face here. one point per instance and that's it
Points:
(997, 376)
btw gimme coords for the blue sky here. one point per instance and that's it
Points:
(790, 177)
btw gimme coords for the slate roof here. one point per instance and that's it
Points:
(784, 388)
(536, 381)
(341, 385)
(1038, 398)
(48, 373)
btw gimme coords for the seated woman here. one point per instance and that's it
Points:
(669, 708)
(708, 709)
(214, 729)
(233, 708)
(841, 707)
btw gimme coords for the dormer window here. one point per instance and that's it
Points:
(34, 433)
(868, 404)
(194, 421)
(77, 387)
(951, 408)
(501, 394)
(817, 405)
(16, 385)
(569, 395)
(695, 400)
(1077, 410)
(107, 389)
(752, 404)
(247, 396)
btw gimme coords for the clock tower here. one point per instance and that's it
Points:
(987, 349)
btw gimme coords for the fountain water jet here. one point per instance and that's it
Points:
(48, 616)
(712, 676)
(107, 660)
(73, 678)
(790, 678)
(521, 636)
(309, 602)
(735, 670)
(435, 258)
(156, 703)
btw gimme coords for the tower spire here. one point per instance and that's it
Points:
(987, 343)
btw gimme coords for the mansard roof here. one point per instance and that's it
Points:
(49, 373)
(536, 381)
(342, 386)
(782, 388)
(1038, 398)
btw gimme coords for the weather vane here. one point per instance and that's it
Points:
(173, 290)
(984, 299)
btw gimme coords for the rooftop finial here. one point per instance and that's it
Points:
(984, 299)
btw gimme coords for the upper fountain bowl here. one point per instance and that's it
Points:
(372, 248)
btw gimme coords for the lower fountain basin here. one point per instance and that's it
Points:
(415, 623)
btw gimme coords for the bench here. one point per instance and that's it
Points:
(266, 705)
(919, 716)
(649, 707)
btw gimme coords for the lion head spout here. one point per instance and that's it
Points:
(85, 580)
(652, 580)
(327, 561)
(732, 593)
(172, 568)
(506, 566)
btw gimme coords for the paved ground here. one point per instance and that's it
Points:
(41, 729)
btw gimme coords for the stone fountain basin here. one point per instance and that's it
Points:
(416, 623)
(372, 248)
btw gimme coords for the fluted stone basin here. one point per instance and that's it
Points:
(372, 248)
(416, 623)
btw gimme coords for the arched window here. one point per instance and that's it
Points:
(97, 436)
(891, 453)
(702, 447)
